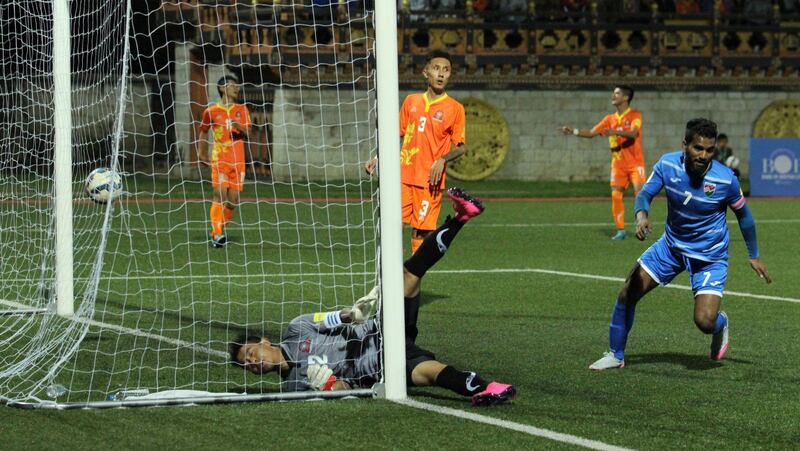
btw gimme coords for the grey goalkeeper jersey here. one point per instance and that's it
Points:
(351, 351)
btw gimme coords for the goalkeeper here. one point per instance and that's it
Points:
(342, 349)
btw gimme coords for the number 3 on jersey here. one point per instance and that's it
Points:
(422, 121)
(423, 210)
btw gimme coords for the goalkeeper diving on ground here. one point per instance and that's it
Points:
(340, 350)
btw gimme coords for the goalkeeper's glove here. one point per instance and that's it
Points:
(364, 307)
(320, 377)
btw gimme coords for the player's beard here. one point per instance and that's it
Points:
(695, 168)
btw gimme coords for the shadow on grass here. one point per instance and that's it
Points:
(430, 298)
(689, 361)
(421, 395)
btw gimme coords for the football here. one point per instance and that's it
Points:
(732, 162)
(103, 185)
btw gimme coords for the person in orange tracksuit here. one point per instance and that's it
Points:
(229, 122)
(624, 132)
(432, 125)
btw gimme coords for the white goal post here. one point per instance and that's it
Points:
(137, 301)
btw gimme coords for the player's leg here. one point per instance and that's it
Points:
(426, 206)
(657, 265)
(236, 174)
(219, 187)
(708, 283)
(425, 372)
(438, 241)
(619, 183)
(432, 250)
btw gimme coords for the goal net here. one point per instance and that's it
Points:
(156, 303)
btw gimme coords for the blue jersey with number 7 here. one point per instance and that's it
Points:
(696, 222)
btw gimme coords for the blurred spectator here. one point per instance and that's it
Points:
(687, 7)
(757, 12)
(416, 7)
(725, 6)
(446, 5)
(575, 9)
(790, 7)
(514, 10)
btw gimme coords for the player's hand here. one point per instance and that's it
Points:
(760, 269)
(566, 130)
(364, 307)
(436, 172)
(320, 377)
(643, 227)
(370, 166)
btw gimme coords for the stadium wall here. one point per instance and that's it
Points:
(537, 150)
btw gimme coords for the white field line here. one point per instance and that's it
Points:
(127, 330)
(206, 277)
(524, 428)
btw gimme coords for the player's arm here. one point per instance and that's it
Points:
(242, 128)
(580, 133)
(625, 134)
(747, 225)
(437, 169)
(633, 133)
(457, 139)
(641, 206)
(202, 144)
(363, 309)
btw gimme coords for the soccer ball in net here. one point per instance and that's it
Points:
(103, 185)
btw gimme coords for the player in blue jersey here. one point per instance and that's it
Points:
(699, 190)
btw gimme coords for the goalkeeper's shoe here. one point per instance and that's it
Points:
(620, 235)
(495, 393)
(466, 206)
(607, 362)
(219, 240)
(719, 341)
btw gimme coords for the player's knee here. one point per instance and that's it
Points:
(421, 234)
(705, 322)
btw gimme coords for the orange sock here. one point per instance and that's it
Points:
(618, 209)
(216, 219)
(227, 214)
(415, 244)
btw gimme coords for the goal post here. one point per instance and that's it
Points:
(391, 219)
(136, 302)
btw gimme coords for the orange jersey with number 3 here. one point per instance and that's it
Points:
(429, 129)
(228, 145)
(626, 153)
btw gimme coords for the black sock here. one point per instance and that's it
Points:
(465, 383)
(433, 248)
(411, 313)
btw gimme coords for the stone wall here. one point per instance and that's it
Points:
(537, 151)
(327, 134)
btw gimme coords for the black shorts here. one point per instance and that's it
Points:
(414, 356)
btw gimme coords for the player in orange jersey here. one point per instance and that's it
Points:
(432, 125)
(624, 132)
(229, 122)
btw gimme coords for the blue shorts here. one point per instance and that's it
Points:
(663, 264)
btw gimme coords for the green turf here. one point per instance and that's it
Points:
(484, 308)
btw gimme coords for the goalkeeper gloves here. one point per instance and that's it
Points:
(365, 307)
(320, 377)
